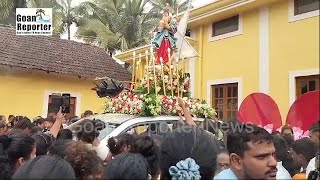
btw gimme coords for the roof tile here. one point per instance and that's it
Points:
(52, 54)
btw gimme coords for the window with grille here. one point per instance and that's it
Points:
(305, 6)
(225, 100)
(225, 26)
(305, 84)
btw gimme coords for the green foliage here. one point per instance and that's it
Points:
(151, 105)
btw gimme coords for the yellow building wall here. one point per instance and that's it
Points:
(233, 57)
(294, 46)
(22, 93)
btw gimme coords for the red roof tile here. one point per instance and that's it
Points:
(58, 55)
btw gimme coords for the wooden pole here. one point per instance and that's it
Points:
(162, 74)
(147, 68)
(170, 72)
(178, 86)
(154, 72)
(133, 80)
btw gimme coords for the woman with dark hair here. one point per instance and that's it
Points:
(121, 143)
(148, 148)
(188, 152)
(85, 162)
(45, 167)
(43, 142)
(127, 166)
(65, 134)
(59, 147)
(15, 150)
(88, 132)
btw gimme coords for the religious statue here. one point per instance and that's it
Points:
(164, 38)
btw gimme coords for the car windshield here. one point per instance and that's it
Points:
(107, 130)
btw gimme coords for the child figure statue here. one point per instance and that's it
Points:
(164, 38)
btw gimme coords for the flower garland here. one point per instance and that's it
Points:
(152, 105)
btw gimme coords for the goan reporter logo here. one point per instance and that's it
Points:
(34, 21)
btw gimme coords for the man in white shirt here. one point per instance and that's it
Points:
(281, 153)
(314, 133)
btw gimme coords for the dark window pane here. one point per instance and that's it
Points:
(221, 92)
(235, 91)
(312, 85)
(304, 87)
(225, 26)
(229, 91)
(305, 6)
(216, 92)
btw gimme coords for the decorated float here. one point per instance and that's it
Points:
(156, 92)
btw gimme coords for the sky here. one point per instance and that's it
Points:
(73, 30)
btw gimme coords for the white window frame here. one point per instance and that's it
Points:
(210, 83)
(47, 93)
(293, 18)
(292, 82)
(226, 35)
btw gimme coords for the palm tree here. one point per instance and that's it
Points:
(117, 24)
(39, 12)
(8, 10)
(64, 16)
(180, 5)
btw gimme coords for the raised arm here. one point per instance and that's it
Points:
(57, 124)
(188, 118)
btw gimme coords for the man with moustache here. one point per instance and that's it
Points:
(252, 154)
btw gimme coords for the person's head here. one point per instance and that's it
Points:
(88, 113)
(65, 134)
(228, 127)
(40, 122)
(2, 118)
(3, 128)
(85, 162)
(87, 131)
(252, 153)
(43, 142)
(35, 130)
(188, 144)
(15, 150)
(314, 133)
(44, 167)
(48, 122)
(223, 160)
(286, 130)
(148, 148)
(289, 140)
(281, 147)
(11, 117)
(127, 166)
(121, 143)
(59, 147)
(23, 123)
(302, 152)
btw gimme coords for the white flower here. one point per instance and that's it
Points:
(174, 111)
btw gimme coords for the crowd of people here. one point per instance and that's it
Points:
(45, 149)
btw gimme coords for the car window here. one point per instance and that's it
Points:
(150, 128)
(107, 130)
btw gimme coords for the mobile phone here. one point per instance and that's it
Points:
(55, 104)
(65, 103)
